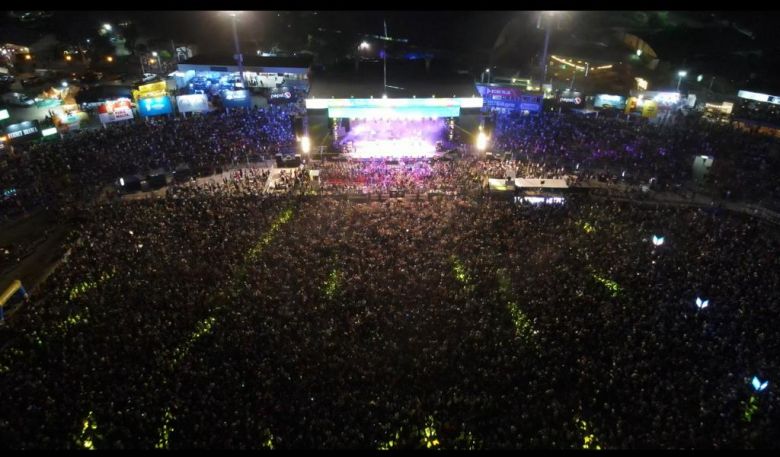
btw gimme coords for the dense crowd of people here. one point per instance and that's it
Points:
(228, 314)
(638, 152)
(46, 174)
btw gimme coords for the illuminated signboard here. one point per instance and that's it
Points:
(23, 131)
(115, 110)
(192, 103)
(4, 114)
(609, 101)
(409, 112)
(49, 131)
(664, 98)
(155, 106)
(327, 103)
(766, 98)
(236, 99)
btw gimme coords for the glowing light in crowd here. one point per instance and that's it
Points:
(461, 274)
(523, 325)
(283, 218)
(608, 283)
(386, 446)
(305, 144)
(121, 181)
(588, 228)
(482, 141)
(364, 46)
(658, 240)
(588, 439)
(430, 437)
(701, 304)
(332, 283)
(110, 59)
(88, 429)
(202, 328)
(751, 408)
(165, 430)
(758, 385)
(82, 287)
(269, 440)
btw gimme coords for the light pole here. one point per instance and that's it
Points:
(680, 75)
(487, 70)
(547, 30)
(159, 66)
(364, 46)
(239, 57)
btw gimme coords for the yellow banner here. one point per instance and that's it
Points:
(153, 87)
(650, 109)
(137, 95)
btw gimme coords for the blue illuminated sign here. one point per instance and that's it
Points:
(155, 106)
(236, 99)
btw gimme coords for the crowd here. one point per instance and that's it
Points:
(222, 315)
(335, 324)
(51, 174)
(413, 175)
(554, 145)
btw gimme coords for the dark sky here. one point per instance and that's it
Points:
(441, 29)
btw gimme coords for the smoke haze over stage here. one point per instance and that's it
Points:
(393, 138)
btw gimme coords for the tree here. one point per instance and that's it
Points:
(130, 32)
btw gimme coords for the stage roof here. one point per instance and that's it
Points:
(404, 80)
(393, 108)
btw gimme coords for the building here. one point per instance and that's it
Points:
(260, 72)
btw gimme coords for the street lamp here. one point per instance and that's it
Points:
(109, 59)
(680, 75)
(546, 43)
(159, 65)
(239, 57)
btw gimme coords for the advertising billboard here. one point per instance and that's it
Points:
(774, 99)
(192, 103)
(4, 114)
(236, 99)
(115, 111)
(609, 101)
(23, 131)
(572, 99)
(649, 109)
(155, 106)
(511, 98)
(152, 90)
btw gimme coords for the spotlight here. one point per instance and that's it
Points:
(482, 141)
(305, 144)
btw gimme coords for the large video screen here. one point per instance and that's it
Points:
(155, 106)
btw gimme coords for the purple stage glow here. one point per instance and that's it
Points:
(393, 138)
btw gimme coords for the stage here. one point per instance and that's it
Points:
(393, 128)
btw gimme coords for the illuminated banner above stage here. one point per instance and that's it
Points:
(330, 103)
(406, 112)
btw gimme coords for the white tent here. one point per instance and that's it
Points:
(524, 183)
